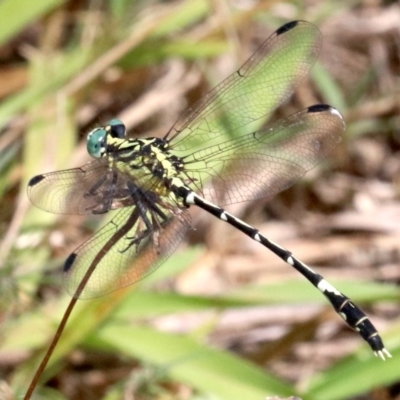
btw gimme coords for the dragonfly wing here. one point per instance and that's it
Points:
(93, 188)
(253, 92)
(262, 163)
(128, 248)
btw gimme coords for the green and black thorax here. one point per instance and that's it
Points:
(147, 163)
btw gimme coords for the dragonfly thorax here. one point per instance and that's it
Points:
(155, 157)
(143, 159)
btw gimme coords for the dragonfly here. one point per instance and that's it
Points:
(221, 151)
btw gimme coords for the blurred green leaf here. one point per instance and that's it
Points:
(355, 375)
(298, 290)
(15, 15)
(206, 369)
(329, 88)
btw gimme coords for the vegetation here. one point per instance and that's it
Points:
(222, 318)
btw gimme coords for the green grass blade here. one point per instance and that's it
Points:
(15, 15)
(206, 369)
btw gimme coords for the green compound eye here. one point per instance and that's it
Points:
(96, 142)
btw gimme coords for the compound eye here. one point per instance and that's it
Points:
(96, 142)
(117, 128)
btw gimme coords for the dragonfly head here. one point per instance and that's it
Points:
(97, 138)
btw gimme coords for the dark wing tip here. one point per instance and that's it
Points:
(35, 180)
(69, 261)
(317, 108)
(287, 27)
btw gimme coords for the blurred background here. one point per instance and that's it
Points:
(222, 318)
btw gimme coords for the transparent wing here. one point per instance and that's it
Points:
(124, 251)
(254, 91)
(93, 188)
(263, 163)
